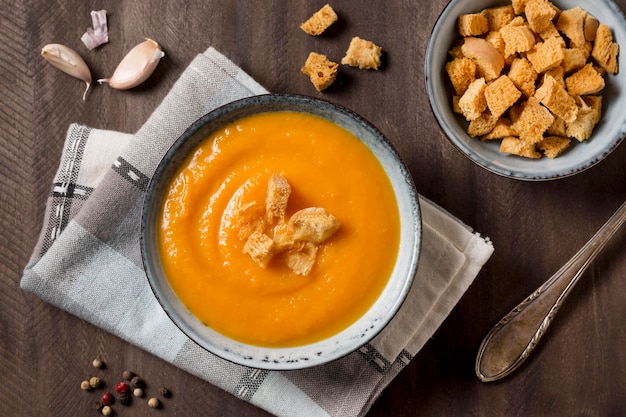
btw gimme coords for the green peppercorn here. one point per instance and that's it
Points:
(85, 385)
(95, 382)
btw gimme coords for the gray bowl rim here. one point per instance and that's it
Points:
(194, 134)
(478, 160)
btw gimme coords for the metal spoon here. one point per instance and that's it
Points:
(513, 338)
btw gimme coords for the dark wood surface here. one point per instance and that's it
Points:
(578, 370)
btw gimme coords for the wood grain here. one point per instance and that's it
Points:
(578, 370)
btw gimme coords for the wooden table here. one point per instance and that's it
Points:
(580, 369)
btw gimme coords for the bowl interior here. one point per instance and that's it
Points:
(301, 356)
(607, 134)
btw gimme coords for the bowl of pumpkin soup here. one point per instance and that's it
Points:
(281, 232)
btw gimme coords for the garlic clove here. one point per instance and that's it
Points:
(136, 66)
(68, 61)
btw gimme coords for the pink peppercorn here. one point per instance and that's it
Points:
(107, 398)
(121, 387)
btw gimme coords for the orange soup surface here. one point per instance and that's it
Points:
(201, 245)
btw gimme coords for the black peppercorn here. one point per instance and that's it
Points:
(125, 399)
(98, 406)
(137, 382)
(128, 375)
(166, 393)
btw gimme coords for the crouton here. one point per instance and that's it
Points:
(605, 51)
(517, 38)
(550, 31)
(302, 259)
(260, 247)
(472, 102)
(553, 146)
(558, 74)
(539, 14)
(523, 75)
(500, 95)
(552, 95)
(482, 125)
(321, 71)
(502, 129)
(312, 224)
(363, 54)
(489, 61)
(546, 55)
(473, 24)
(533, 121)
(278, 192)
(590, 27)
(462, 72)
(516, 146)
(585, 81)
(519, 6)
(320, 21)
(557, 128)
(571, 23)
(499, 17)
(495, 38)
(589, 115)
(574, 59)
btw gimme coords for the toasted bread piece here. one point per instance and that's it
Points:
(516, 146)
(489, 61)
(552, 95)
(502, 129)
(260, 247)
(495, 38)
(363, 54)
(499, 16)
(462, 72)
(605, 51)
(571, 23)
(519, 6)
(320, 21)
(473, 102)
(533, 121)
(473, 24)
(590, 27)
(500, 95)
(539, 14)
(546, 55)
(553, 146)
(321, 71)
(558, 74)
(550, 31)
(301, 260)
(574, 59)
(278, 192)
(482, 125)
(588, 117)
(312, 224)
(524, 76)
(517, 37)
(557, 128)
(585, 81)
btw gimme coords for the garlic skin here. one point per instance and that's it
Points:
(68, 61)
(136, 66)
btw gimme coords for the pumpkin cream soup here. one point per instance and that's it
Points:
(279, 230)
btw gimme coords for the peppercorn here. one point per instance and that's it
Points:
(121, 387)
(85, 385)
(138, 392)
(125, 399)
(98, 406)
(97, 363)
(137, 382)
(107, 411)
(165, 392)
(127, 375)
(95, 382)
(154, 402)
(107, 398)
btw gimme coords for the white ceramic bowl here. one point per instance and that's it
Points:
(607, 135)
(360, 332)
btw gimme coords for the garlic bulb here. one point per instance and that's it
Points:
(136, 66)
(68, 61)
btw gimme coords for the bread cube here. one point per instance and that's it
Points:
(489, 61)
(524, 76)
(498, 17)
(588, 117)
(482, 125)
(533, 121)
(553, 146)
(574, 59)
(473, 102)
(517, 38)
(320, 21)
(552, 95)
(605, 51)
(462, 72)
(571, 23)
(502, 129)
(473, 24)
(500, 95)
(539, 14)
(516, 146)
(321, 71)
(546, 55)
(363, 54)
(260, 247)
(585, 81)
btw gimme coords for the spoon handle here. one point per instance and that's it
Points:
(512, 339)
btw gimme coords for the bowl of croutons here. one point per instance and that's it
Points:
(529, 89)
(281, 232)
